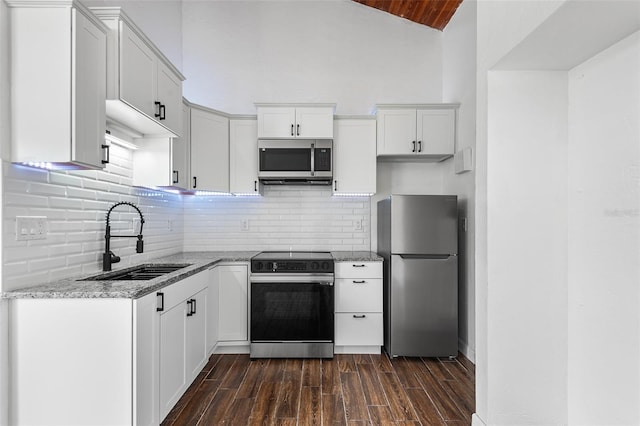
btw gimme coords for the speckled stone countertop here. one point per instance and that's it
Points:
(355, 256)
(79, 287)
(74, 288)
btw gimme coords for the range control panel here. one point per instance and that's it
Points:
(291, 266)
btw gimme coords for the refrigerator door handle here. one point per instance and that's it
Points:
(427, 256)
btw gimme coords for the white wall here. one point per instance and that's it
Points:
(459, 86)
(527, 248)
(604, 237)
(240, 52)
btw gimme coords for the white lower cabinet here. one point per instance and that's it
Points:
(233, 287)
(358, 305)
(106, 361)
(183, 337)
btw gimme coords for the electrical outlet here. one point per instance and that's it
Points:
(31, 228)
(357, 224)
(170, 225)
(244, 224)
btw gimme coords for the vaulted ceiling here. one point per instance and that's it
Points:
(433, 13)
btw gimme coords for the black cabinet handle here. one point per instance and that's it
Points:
(414, 146)
(190, 309)
(160, 307)
(163, 112)
(158, 106)
(359, 282)
(195, 182)
(359, 316)
(255, 186)
(106, 148)
(292, 130)
(358, 266)
(335, 185)
(176, 176)
(419, 146)
(297, 130)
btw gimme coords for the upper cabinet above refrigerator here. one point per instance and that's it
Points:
(144, 89)
(58, 70)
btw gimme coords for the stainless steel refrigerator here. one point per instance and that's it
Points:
(417, 237)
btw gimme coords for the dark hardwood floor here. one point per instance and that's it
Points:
(346, 390)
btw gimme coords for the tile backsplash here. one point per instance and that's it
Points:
(285, 218)
(75, 205)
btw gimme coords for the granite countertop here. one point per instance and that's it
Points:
(79, 287)
(356, 256)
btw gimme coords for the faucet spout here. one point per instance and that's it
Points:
(108, 257)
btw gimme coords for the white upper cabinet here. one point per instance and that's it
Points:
(209, 150)
(354, 156)
(144, 90)
(163, 161)
(416, 131)
(285, 121)
(243, 156)
(58, 74)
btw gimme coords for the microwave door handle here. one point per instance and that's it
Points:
(313, 159)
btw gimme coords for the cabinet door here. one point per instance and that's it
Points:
(172, 356)
(358, 295)
(436, 131)
(314, 122)
(89, 57)
(397, 132)
(146, 360)
(209, 151)
(354, 154)
(169, 94)
(359, 329)
(276, 122)
(234, 299)
(243, 156)
(180, 150)
(196, 345)
(137, 71)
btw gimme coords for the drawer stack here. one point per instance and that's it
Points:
(358, 306)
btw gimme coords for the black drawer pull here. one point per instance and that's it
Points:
(359, 266)
(160, 307)
(359, 282)
(359, 316)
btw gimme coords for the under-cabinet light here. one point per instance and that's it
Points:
(352, 194)
(214, 193)
(120, 142)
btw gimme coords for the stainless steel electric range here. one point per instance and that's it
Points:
(292, 305)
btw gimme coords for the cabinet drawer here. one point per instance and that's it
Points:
(358, 295)
(358, 269)
(181, 290)
(358, 329)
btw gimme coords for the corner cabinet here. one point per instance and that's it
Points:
(358, 307)
(354, 156)
(106, 361)
(286, 121)
(144, 90)
(243, 156)
(416, 132)
(58, 72)
(209, 159)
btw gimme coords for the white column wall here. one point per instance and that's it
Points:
(527, 248)
(604, 237)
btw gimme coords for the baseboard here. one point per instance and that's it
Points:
(476, 420)
(357, 350)
(467, 351)
(231, 348)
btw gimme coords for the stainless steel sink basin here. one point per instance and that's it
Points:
(139, 273)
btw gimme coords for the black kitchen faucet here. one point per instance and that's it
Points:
(108, 257)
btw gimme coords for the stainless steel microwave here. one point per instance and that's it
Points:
(294, 161)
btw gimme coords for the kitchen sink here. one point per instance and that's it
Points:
(138, 273)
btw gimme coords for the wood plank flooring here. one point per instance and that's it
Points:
(347, 390)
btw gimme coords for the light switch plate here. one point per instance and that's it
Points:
(31, 228)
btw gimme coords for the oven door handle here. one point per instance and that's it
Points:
(327, 279)
(321, 283)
